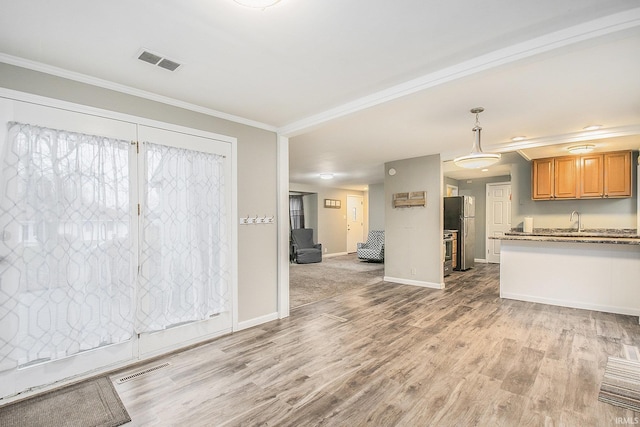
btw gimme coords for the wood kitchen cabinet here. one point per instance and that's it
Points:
(606, 175)
(617, 174)
(454, 255)
(591, 176)
(555, 178)
(542, 179)
(602, 175)
(565, 177)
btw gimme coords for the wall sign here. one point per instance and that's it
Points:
(408, 200)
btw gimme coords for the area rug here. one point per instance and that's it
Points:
(314, 282)
(89, 403)
(621, 384)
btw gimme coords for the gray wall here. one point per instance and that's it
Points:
(332, 223)
(376, 207)
(257, 167)
(449, 181)
(600, 213)
(413, 236)
(478, 189)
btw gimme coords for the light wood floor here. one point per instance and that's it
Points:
(388, 355)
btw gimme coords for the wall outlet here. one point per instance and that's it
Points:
(413, 271)
(325, 250)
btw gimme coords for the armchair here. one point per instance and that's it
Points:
(303, 250)
(373, 249)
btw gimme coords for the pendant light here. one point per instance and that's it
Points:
(477, 159)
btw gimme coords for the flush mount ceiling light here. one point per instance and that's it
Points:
(581, 149)
(477, 159)
(257, 4)
(592, 127)
(518, 138)
(326, 176)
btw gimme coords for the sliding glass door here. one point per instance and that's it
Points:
(67, 258)
(114, 243)
(184, 292)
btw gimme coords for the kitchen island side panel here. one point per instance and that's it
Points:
(593, 276)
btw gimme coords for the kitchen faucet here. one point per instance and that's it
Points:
(579, 219)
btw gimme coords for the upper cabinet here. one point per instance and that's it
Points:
(542, 179)
(617, 174)
(591, 176)
(566, 177)
(582, 177)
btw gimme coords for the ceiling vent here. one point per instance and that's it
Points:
(158, 60)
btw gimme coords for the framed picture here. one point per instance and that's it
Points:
(332, 203)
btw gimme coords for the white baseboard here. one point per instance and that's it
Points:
(573, 304)
(481, 261)
(420, 283)
(257, 321)
(334, 254)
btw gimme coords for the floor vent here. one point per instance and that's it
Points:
(331, 316)
(141, 373)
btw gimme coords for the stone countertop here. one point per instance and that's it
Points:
(606, 236)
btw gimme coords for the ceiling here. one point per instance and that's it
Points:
(356, 83)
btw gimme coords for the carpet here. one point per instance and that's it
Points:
(621, 384)
(314, 282)
(88, 403)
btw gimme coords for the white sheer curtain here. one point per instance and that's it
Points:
(184, 259)
(66, 283)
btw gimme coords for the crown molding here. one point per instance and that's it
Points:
(568, 36)
(105, 84)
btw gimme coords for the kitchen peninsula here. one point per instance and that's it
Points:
(593, 269)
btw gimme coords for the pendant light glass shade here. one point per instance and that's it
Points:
(477, 159)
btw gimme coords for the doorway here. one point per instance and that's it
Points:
(355, 222)
(498, 217)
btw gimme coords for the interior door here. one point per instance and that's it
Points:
(498, 217)
(355, 222)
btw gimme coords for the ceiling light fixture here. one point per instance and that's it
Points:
(257, 4)
(592, 127)
(326, 176)
(581, 149)
(518, 138)
(477, 159)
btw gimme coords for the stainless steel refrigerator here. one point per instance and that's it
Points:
(459, 214)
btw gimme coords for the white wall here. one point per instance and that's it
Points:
(413, 236)
(257, 169)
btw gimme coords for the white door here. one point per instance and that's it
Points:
(67, 265)
(185, 235)
(498, 217)
(355, 222)
(71, 271)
